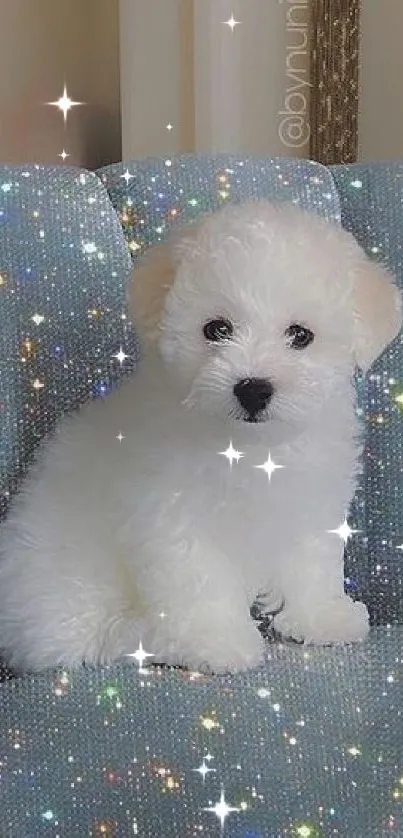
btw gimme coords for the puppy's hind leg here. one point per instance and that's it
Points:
(53, 618)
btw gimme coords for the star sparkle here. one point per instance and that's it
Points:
(269, 467)
(232, 23)
(221, 809)
(38, 384)
(344, 531)
(127, 177)
(63, 154)
(140, 656)
(64, 103)
(203, 769)
(231, 454)
(120, 356)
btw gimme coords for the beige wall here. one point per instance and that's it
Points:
(221, 90)
(44, 43)
(381, 109)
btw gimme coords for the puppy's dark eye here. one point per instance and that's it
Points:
(299, 337)
(218, 329)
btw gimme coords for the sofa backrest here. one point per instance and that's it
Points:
(152, 196)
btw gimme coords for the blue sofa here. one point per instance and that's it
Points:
(311, 744)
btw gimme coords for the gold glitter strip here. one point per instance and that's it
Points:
(334, 103)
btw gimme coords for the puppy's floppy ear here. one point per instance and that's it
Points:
(152, 278)
(377, 311)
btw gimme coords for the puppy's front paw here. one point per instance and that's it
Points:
(218, 653)
(338, 621)
(242, 653)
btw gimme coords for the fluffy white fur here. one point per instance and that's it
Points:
(105, 536)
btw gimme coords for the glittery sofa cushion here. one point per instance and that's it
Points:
(371, 198)
(151, 196)
(309, 747)
(63, 269)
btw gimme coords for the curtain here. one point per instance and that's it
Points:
(252, 77)
(215, 76)
(334, 101)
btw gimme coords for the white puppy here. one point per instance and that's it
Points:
(252, 320)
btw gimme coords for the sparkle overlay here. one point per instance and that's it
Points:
(140, 655)
(269, 467)
(308, 746)
(232, 454)
(344, 531)
(65, 104)
(221, 809)
(232, 23)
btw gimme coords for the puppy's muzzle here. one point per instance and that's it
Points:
(253, 394)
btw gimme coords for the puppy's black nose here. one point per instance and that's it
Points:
(253, 394)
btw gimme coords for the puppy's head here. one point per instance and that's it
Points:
(261, 311)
